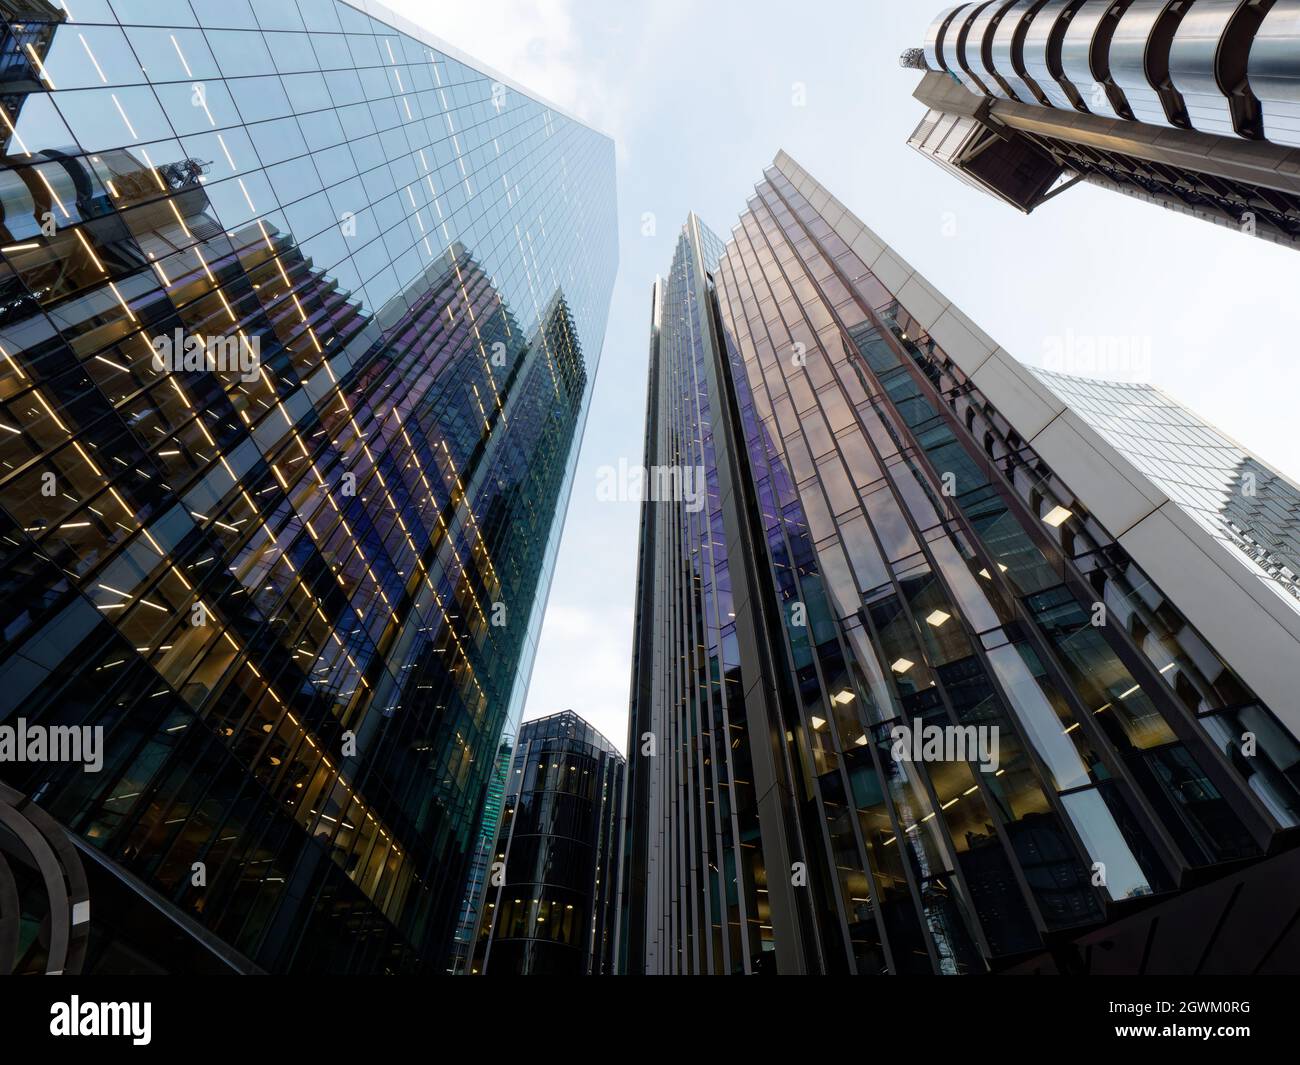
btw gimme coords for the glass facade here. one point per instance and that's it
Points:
(896, 561)
(549, 908)
(1241, 500)
(702, 890)
(481, 864)
(299, 317)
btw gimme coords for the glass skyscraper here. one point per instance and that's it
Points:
(550, 909)
(933, 680)
(481, 863)
(1239, 498)
(299, 316)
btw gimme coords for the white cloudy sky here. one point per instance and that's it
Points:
(698, 97)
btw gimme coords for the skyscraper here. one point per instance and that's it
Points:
(1239, 498)
(1189, 104)
(550, 911)
(299, 316)
(934, 679)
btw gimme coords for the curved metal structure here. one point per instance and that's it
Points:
(1085, 57)
(1007, 49)
(968, 68)
(1028, 98)
(935, 56)
(32, 844)
(1273, 71)
(1207, 64)
(1139, 61)
(1042, 53)
(1228, 67)
(979, 47)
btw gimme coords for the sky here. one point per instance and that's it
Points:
(699, 96)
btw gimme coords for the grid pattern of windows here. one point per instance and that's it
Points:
(1229, 491)
(551, 911)
(299, 315)
(480, 866)
(711, 915)
(922, 568)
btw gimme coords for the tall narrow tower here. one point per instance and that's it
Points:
(933, 678)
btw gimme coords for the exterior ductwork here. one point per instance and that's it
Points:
(1207, 64)
(1008, 51)
(968, 66)
(1026, 99)
(1043, 46)
(1226, 67)
(1085, 57)
(979, 47)
(1139, 61)
(1273, 71)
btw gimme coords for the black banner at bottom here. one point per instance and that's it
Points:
(257, 1016)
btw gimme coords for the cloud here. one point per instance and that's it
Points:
(594, 645)
(535, 45)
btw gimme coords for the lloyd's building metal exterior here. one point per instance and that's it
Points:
(1190, 104)
(299, 596)
(906, 529)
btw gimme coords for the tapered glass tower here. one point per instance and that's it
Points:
(299, 316)
(934, 679)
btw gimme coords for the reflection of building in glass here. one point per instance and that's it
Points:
(908, 534)
(551, 912)
(1189, 104)
(480, 864)
(302, 604)
(1238, 498)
